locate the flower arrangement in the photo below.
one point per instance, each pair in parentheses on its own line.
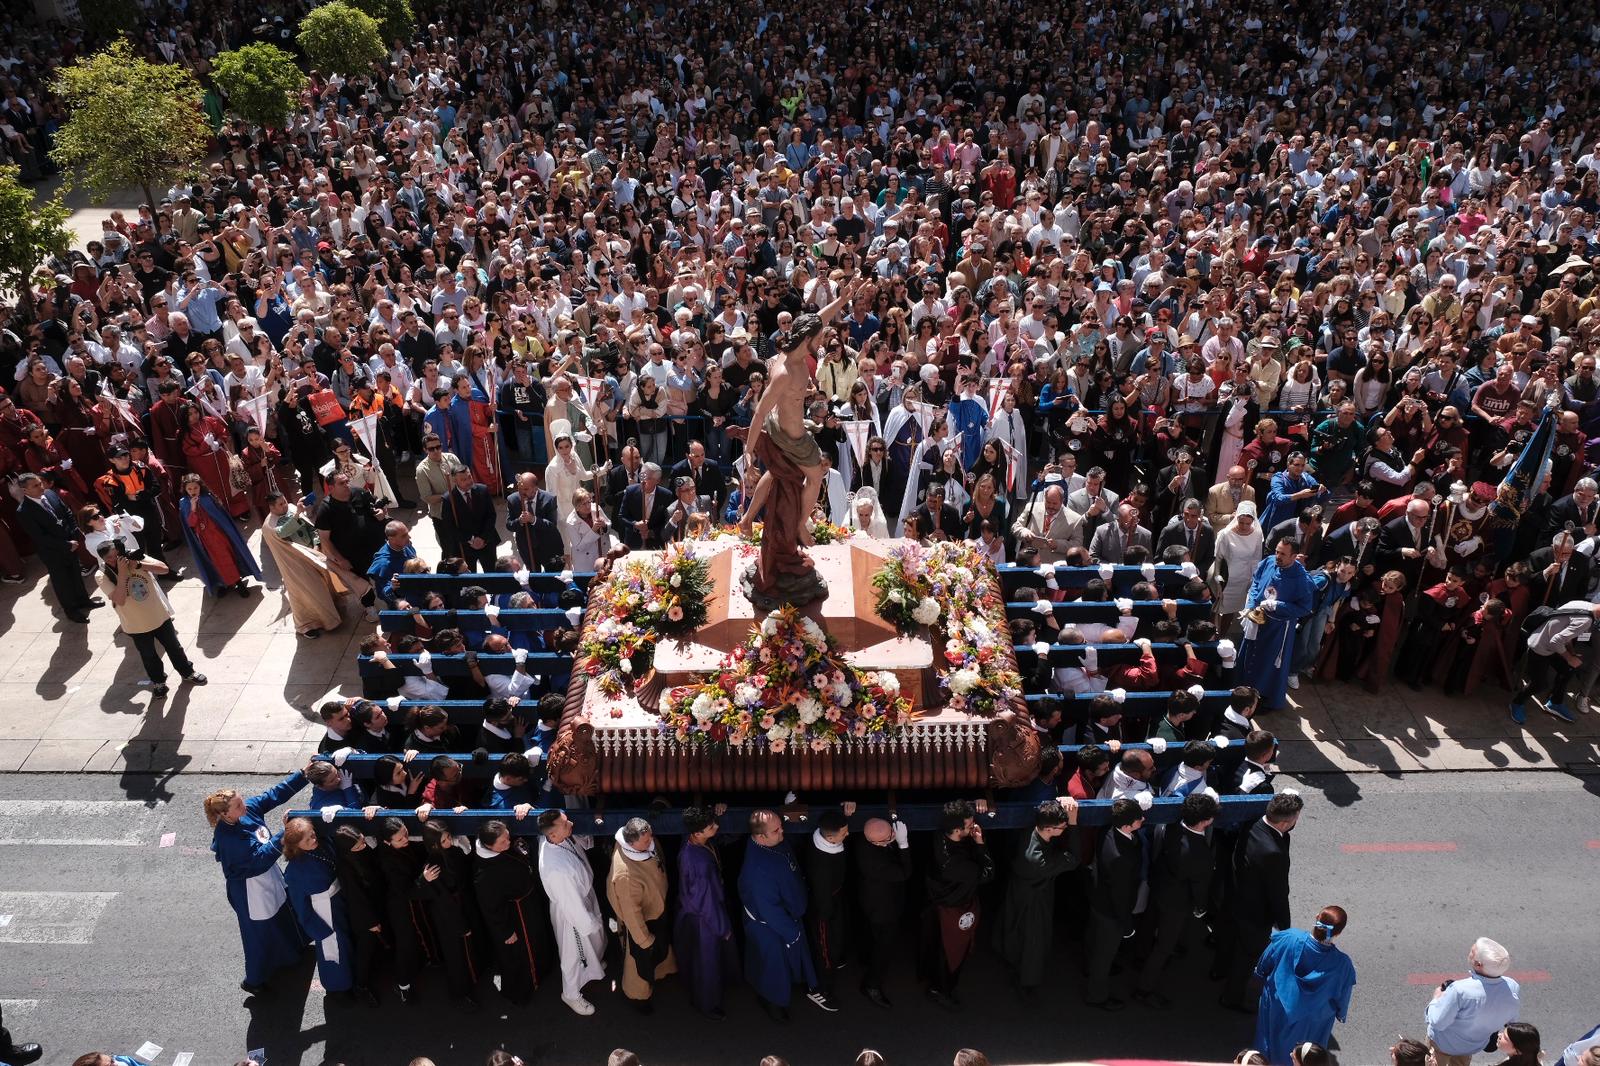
(822,532)
(642,602)
(943,587)
(786,687)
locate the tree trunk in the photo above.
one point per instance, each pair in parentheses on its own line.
(150,200)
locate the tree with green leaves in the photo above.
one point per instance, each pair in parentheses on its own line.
(395,17)
(260,82)
(130,123)
(30,232)
(341,39)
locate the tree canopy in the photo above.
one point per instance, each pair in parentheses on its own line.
(260,83)
(30,232)
(395,17)
(130,123)
(341,39)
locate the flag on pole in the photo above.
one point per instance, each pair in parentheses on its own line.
(857,431)
(255,409)
(926,412)
(367,429)
(997,393)
(1013,457)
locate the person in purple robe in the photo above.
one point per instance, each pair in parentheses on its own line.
(703,934)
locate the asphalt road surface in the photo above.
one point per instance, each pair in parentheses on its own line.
(115,933)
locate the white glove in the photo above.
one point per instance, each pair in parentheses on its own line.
(1142,643)
(394,703)
(521,574)
(1144,800)
(520,656)
(1197,691)
(902,834)
(534,755)
(1091,658)
(1219,741)
(66,464)
(1118,695)
(1158,745)
(1468,546)
(565,576)
(1050,581)
(89,431)
(1187,569)
(341,755)
(330,812)
(1041,648)
(425,662)
(1107,572)
(1047,570)
(1124,605)
(1373,619)
(1043,608)
(1148,571)
(491,611)
(575,616)
(1209,791)
(1226,650)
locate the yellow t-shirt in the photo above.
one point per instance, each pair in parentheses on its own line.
(146,609)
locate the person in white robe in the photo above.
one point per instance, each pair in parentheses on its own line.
(1008,428)
(580,932)
(1239,546)
(565,474)
(866,514)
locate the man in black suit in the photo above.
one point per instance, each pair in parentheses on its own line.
(1404,541)
(1190,530)
(1176,485)
(1305,527)
(1359,541)
(1118,872)
(1560,573)
(1579,511)
(642,515)
(883,868)
(937,516)
(1181,866)
(531,519)
(685,505)
(707,477)
(55,535)
(1252,775)
(469,512)
(1260,898)
(620,476)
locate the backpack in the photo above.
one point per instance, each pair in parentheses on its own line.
(1536,619)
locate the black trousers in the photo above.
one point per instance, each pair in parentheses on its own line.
(1243,950)
(1172,922)
(167,637)
(1105,940)
(1544,674)
(879,950)
(66,578)
(367,946)
(479,558)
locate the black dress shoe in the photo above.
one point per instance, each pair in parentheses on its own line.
(715,1014)
(775,1012)
(876,997)
(97,601)
(22,1054)
(195,679)
(943,1000)
(643,1006)
(366,996)
(258,991)
(406,994)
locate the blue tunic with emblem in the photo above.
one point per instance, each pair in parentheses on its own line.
(774,897)
(1307,987)
(249,852)
(1266,659)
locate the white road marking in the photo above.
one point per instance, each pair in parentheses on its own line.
(53,917)
(183,1058)
(103,823)
(20,1014)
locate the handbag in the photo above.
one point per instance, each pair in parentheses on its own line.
(325,407)
(238,476)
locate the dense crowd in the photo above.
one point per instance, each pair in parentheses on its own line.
(1282,296)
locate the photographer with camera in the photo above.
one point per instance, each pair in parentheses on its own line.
(145,613)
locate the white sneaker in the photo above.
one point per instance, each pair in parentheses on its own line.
(1294,680)
(580,1006)
(1583,704)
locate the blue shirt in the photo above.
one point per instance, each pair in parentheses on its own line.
(386,563)
(202,309)
(1470,1011)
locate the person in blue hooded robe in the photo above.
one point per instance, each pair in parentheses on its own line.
(1282,589)
(1307,985)
(968,418)
(776,955)
(248,852)
(219,552)
(451,419)
(311,878)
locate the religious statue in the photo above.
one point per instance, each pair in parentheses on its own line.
(792,469)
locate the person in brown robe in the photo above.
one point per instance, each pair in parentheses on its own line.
(268,472)
(636,887)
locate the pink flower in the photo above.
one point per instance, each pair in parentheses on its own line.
(860,729)
(834,714)
(819,745)
(768,721)
(675,614)
(777,746)
(957,703)
(616,712)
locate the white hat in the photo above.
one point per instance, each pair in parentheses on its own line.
(561,427)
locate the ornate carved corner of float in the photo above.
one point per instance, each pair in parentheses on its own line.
(1013,751)
(574,761)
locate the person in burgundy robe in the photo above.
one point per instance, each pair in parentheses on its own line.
(205,448)
(85,429)
(1391,611)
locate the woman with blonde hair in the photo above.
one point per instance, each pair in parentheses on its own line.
(311,878)
(249,852)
